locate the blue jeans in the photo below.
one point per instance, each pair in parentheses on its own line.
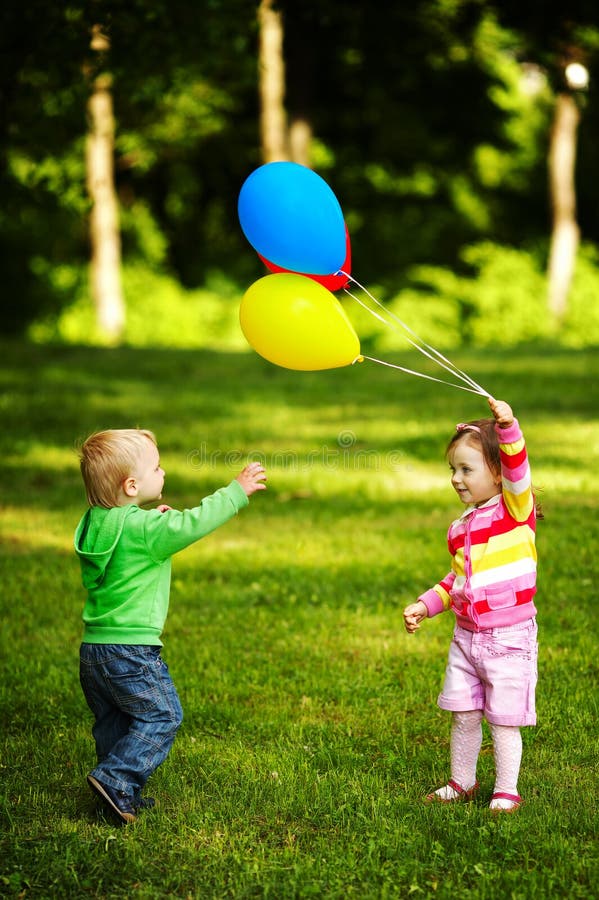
(137,711)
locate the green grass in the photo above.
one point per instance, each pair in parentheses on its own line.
(311,729)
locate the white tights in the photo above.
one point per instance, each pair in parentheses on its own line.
(507,750)
(466,740)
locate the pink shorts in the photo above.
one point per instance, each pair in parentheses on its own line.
(494,670)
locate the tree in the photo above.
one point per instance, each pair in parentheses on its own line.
(396,105)
(271,65)
(559,39)
(105,238)
(565,232)
(414,118)
(42,193)
(282,136)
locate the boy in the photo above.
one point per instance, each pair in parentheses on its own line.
(125,554)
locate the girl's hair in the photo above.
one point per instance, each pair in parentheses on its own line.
(107,458)
(482,432)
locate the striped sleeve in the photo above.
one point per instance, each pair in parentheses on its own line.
(437,599)
(515,472)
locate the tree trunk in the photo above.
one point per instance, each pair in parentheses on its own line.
(104,217)
(565,231)
(273,125)
(300,139)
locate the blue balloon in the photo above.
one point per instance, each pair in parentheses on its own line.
(291,217)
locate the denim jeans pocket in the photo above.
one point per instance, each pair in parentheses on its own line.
(131,678)
(134,692)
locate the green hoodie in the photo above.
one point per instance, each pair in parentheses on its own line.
(125,554)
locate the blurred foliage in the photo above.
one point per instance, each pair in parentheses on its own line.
(160,313)
(431,125)
(502,302)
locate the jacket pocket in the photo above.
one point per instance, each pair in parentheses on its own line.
(500,597)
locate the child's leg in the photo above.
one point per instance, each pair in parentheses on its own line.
(111,723)
(507,750)
(156,715)
(137,682)
(110,726)
(509,659)
(466,740)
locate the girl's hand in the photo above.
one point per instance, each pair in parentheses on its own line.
(413,616)
(164,507)
(502,412)
(252,478)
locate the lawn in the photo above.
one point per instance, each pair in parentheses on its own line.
(311,728)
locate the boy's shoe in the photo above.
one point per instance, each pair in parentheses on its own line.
(117,801)
(453,793)
(144,803)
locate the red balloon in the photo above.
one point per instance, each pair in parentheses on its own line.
(331,282)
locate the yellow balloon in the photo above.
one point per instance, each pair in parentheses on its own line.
(295,322)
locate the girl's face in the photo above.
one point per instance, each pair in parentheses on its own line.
(471,477)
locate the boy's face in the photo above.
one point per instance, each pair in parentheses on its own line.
(148,476)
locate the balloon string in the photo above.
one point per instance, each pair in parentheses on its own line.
(450,367)
(460,387)
(473,389)
(419,344)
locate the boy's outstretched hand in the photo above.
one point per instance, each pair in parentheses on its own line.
(502,412)
(252,478)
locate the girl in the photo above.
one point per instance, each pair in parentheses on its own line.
(492,665)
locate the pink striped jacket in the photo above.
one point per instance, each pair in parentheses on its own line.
(492,581)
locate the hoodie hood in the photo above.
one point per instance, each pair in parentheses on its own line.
(96,537)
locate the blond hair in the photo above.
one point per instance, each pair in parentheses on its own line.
(107,458)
